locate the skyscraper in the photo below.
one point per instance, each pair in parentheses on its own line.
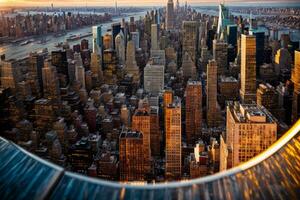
(79,69)
(50,81)
(116,28)
(120,47)
(250,130)
(141,123)
(154,36)
(173,139)
(248,68)
(296,93)
(154,78)
(131,156)
(170,15)
(193,111)
(220,56)
(188,67)
(9,74)
(190,39)
(224,20)
(131,65)
(97,39)
(212,109)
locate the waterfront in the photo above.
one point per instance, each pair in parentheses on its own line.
(15,51)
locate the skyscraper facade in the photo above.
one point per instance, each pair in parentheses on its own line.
(248,68)
(97,39)
(193,111)
(296,93)
(173,140)
(211,104)
(250,130)
(131,156)
(190,39)
(154,78)
(170,20)
(154,36)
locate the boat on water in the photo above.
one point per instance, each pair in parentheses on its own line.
(26,42)
(60,34)
(78,37)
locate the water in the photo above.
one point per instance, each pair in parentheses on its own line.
(15,51)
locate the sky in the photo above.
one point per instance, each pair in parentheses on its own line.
(58,3)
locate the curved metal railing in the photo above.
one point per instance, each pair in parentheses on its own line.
(274,174)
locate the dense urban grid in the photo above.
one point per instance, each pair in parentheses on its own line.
(175,95)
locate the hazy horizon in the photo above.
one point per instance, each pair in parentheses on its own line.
(143,3)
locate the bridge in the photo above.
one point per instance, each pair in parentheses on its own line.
(274,174)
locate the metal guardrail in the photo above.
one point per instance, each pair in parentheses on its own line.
(274,174)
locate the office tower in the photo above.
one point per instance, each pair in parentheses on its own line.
(296,93)
(44,115)
(224,19)
(131,66)
(108,166)
(50,81)
(131,151)
(267,97)
(248,68)
(190,39)
(251,129)
(188,67)
(283,61)
(193,111)
(229,90)
(158,57)
(167,97)
(223,155)
(154,78)
(79,70)
(35,65)
(155,133)
(9,75)
(260,47)
(90,115)
(132,25)
(211,102)
(120,47)
(220,56)
(116,28)
(97,39)
(80,155)
(141,123)
(96,67)
(135,37)
(84,44)
(154,36)
(59,60)
(107,41)
(60,127)
(232,34)
(173,140)
(170,18)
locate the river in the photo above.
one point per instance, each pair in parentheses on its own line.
(15,51)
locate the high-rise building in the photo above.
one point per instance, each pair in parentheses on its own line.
(155,134)
(141,123)
(35,65)
(224,19)
(97,39)
(135,37)
(248,68)
(193,111)
(154,78)
(260,47)
(250,129)
(170,18)
(131,65)
(116,28)
(188,67)
(220,55)
(50,81)
(79,69)
(211,101)
(96,67)
(60,62)
(154,36)
(232,34)
(173,139)
(131,156)
(9,75)
(120,47)
(167,97)
(190,39)
(296,93)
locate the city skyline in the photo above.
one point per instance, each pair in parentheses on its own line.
(147,3)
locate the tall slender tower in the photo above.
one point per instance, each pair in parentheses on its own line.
(248,68)
(193,111)
(212,111)
(173,139)
(296,94)
(170,15)
(141,123)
